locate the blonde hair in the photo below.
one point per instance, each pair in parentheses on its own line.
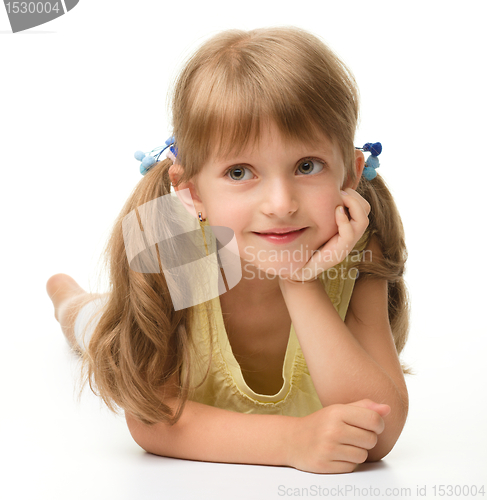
(226,92)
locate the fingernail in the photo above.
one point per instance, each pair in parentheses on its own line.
(342,210)
(344,193)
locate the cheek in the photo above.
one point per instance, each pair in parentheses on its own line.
(323,207)
(324,216)
(226,213)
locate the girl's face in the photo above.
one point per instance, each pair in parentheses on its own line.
(274,186)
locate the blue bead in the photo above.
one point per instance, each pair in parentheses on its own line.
(174,150)
(169,141)
(369,173)
(375,149)
(148,161)
(372,161)
(139,155)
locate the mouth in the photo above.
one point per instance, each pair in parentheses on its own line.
(281,232)
(286,237)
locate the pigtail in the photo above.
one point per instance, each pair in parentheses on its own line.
(140,344)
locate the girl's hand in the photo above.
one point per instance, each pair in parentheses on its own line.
(336,438)
(339,246)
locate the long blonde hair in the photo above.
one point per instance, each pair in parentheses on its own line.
(227,90)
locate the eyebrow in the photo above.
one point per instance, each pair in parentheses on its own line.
(243,158)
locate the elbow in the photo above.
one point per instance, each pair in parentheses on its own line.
(380,451)
(134,427)
(139,432)
(393,430)
(159,438)
(152,438)
(377,455)
(405,402)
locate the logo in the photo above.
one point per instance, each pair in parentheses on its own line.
(25,15)
(165,236)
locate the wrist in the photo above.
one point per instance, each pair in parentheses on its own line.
(286,284)
(290,440)
(304,275)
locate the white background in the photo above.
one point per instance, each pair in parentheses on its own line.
(80,94)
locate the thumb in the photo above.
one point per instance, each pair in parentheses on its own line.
(382,409)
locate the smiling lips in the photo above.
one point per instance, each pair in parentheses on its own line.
(281,230)
(285,235)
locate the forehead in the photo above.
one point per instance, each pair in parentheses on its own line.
(269,137)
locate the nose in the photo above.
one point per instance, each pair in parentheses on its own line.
(280,198)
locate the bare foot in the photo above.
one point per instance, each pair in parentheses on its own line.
(67,297)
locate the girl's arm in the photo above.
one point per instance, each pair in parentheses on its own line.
(212,434)
(352,360)
(331,440)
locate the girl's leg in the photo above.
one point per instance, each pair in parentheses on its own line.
(69,299)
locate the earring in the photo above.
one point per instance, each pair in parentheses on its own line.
(200,217)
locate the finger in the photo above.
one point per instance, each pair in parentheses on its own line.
(353,198)
(345,228)
(364,419)
(363,202)
(356,436)
(359,218)
(353,454)
(341,467)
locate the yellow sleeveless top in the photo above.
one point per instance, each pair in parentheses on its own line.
(225,387)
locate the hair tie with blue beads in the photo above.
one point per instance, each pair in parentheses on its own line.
(372,162)
(148,159)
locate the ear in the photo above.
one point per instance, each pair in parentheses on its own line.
(359,165)
(190,199)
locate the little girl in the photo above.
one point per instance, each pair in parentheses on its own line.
(295,364)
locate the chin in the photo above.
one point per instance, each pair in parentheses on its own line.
(276,269)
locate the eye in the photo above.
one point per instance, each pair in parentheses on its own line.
(309,165)
(239,173)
